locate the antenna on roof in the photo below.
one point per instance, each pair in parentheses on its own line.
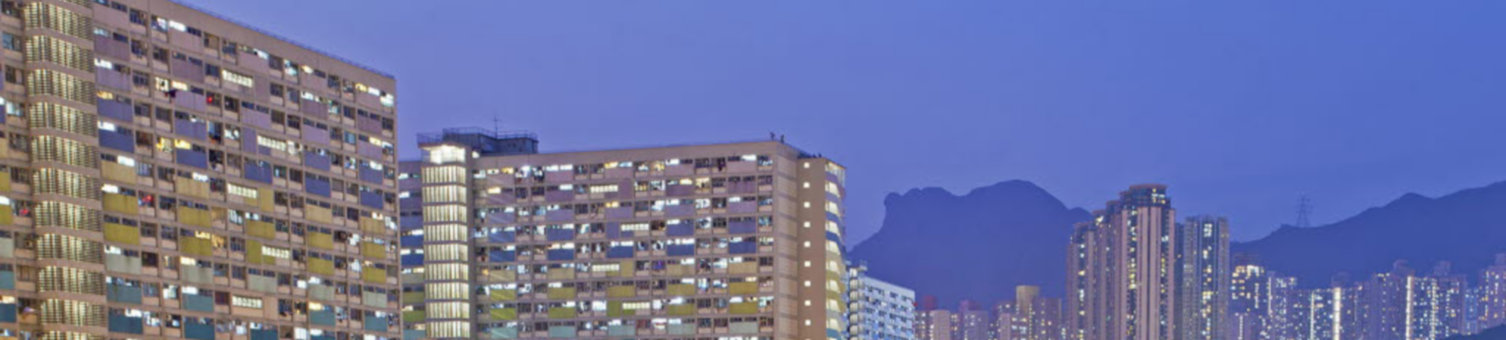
(496,125)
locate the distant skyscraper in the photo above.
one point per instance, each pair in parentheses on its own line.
(1287,309)
(1474,310)
(933,324)
(972,322)
(1086,304)
(1450,302)
(1388,305)
(1203,275)
(1395,305)
(1249,302)
(1424,318)
(1007,326)
(1127,286)
(1032,316)
(1333,314)
(1492,294)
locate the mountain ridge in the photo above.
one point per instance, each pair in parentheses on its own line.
(932,240)
(1458,227)
(1012,219)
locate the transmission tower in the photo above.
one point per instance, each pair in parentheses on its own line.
(1304,211)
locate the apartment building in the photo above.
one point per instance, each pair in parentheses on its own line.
(169,173)
(1287,308)
(1084,309)
(935,324)
(1402,305)
(699,241)
(1491,294)
(1203,275)
(1122,267)
(1007,325)
(1030,316)
(881,310)
(972,321)
(1451,303)
(1334,313)
(1249,302)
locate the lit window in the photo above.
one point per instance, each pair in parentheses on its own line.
(446,153)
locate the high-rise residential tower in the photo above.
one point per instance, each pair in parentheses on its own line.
(1203,276)
(934,324)
(1249,302)
(1085,306)
(716,240)
(1333,313)
(1388,303)
(1032,316)
(1006,324)
(1123,268)
(1492,294)
(169,173)
(972,322)
(1450,302)
(1287,309)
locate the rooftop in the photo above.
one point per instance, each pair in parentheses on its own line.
(279,37)
(487,142)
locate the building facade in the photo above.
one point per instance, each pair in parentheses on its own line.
(1398,304)
(885,311)
(1334,314)
(411,254)
(1031,316)
(1287,317)
(1086,305)
(719,240)
(1203,275)
(1450,302)
(172,174)
(411,218)
(972,322)
(934,324)
(1491,294)
(1006,324)
(1249,302)
(1387,300)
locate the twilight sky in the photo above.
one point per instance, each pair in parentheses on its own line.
(1240,106)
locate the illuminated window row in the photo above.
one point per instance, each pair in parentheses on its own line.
(45,115)
(57,51)
(62,214)
(64,150)
(64,247)
(230,48)
(67,183)
(61,85)
(44,15)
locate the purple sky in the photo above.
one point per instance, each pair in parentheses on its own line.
(1240,106)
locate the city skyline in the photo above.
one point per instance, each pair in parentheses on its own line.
(171,172)
(1282,103)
